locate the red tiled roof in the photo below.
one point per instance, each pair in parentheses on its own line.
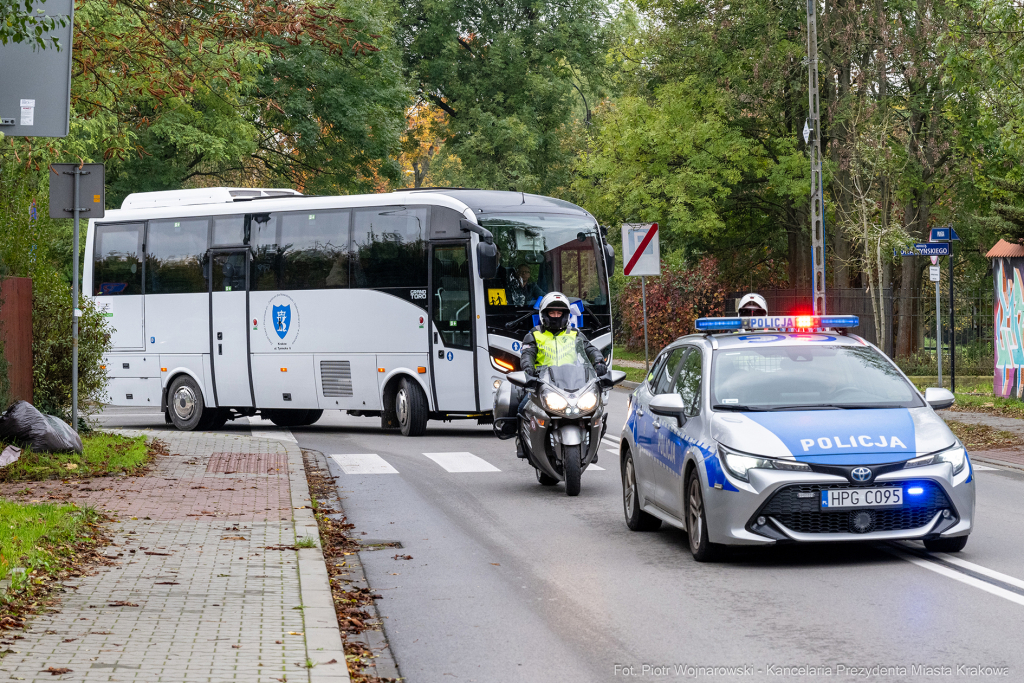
(1004,249)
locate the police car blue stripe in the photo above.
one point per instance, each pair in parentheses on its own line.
(843,437)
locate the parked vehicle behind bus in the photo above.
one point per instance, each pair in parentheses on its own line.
(226,302)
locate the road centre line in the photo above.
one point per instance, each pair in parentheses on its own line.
(462,462)
(937,564)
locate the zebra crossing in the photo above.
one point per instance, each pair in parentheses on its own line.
(456,462)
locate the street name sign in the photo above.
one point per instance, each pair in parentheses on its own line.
(641,250)
(932,248)
(947,234)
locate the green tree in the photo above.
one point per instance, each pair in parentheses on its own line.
(512,77)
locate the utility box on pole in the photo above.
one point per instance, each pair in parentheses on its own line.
(35,83)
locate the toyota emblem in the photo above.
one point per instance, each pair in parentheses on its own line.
(860,474)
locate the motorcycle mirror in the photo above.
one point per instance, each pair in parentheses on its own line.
(613,377)
(519,379)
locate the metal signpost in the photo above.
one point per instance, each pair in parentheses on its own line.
(948,236)
(641,256)
(934,274)
(69,184)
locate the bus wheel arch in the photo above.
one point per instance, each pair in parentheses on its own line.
(405,405)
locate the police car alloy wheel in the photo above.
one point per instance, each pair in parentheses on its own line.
(697,523)
(636,519)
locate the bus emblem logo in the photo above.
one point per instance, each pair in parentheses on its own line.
(282,319)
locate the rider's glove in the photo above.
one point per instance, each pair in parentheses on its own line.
(601,368)
(530,371)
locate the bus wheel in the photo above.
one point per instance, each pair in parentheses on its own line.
(288,417)
(411,408)
(311,417)
(186,403)
(214,418)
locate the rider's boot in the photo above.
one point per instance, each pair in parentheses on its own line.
(520,452)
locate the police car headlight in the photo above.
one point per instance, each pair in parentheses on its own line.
(955,456)
(555,401)
(739,464)
(587,401)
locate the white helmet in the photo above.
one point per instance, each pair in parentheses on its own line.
(554,300)
(752,304)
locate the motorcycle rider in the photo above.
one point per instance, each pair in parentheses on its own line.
(554,343)
(752,305)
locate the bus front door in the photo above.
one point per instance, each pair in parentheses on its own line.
(229,336)
(451,312)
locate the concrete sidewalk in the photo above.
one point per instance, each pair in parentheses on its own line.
(1007,457)
(208,585)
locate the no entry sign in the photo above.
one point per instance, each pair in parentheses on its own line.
(641,251)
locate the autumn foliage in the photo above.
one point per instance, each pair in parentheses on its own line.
(675,300)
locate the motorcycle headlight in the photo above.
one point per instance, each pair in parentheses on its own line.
(555,401)
(739,464)
(955,456)
(587,401)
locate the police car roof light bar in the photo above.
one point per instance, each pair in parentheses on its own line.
(778,322)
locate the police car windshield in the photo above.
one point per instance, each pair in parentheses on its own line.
(774,377)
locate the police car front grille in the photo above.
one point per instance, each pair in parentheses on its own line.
(336,378)
(803,514)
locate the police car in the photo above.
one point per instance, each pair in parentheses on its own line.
(766,430)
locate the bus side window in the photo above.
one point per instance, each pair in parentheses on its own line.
(301,250)
(390,247)
(117,259)
(176,255)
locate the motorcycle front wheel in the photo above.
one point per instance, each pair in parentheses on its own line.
(572,456)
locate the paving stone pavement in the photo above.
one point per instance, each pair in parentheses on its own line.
(195,594)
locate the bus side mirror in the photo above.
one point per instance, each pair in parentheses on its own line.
(609,259)
(487,260)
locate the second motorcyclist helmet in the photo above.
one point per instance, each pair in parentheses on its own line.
(752,305)
(554,312)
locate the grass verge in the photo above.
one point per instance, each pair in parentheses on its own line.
(984,437)
(103,455)
(47,544)
(632,374)
(974,395)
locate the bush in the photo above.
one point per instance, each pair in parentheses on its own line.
(675,300)
(51,347)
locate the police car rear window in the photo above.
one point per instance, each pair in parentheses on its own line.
(805,376)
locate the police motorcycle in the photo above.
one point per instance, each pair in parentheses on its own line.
(562,422)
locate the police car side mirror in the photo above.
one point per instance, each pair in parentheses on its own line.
(938,398)
(669,405)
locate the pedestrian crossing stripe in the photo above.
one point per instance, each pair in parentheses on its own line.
(592,466)
(363,463)
(462,462)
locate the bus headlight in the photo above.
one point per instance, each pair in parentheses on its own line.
(587,401)
(555,401)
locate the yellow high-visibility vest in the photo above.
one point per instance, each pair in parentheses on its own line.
(555,349)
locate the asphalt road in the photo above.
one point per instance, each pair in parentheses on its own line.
(512,581)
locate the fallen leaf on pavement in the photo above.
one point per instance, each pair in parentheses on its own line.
(233,538)
(166,583)
(121,603)
(296,633)
(150,552)
(55,671)
(496,564)
(68,640)
(402,557)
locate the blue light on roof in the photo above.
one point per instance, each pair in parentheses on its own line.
(915,490)
(719,324)
(840,321)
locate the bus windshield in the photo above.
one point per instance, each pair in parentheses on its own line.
(541,253)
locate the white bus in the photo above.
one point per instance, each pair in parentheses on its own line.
(227,302)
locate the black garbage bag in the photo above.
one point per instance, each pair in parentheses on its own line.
(44,433)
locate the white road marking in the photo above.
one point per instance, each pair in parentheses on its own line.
(978,569)
(957,576)
(610,441)
(363,463)
(592,466)
(462,462)
(983,468)
(270,430)
(608,450)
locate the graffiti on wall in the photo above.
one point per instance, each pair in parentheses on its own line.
(1009,327)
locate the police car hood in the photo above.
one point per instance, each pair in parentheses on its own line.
(847,437)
